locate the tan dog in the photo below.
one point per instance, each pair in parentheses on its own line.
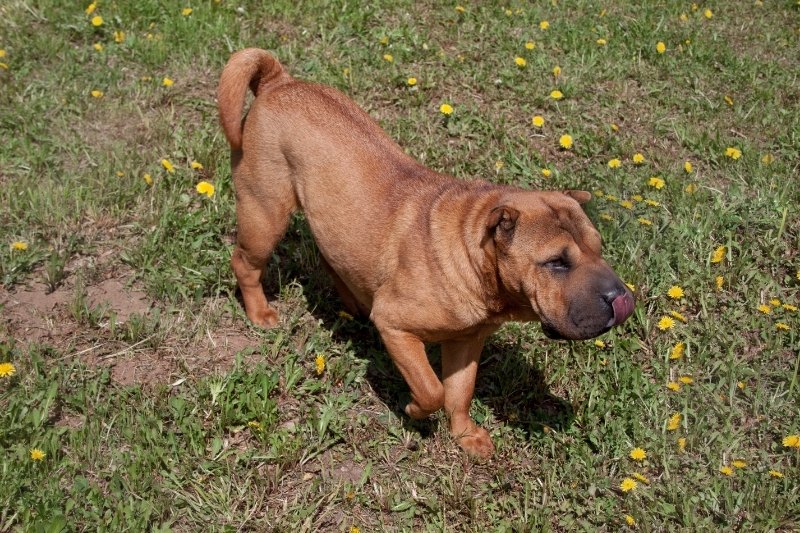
(427,257)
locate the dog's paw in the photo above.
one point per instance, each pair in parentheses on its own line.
(477,443)
(265,318)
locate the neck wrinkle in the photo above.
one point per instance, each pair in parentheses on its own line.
(467,247)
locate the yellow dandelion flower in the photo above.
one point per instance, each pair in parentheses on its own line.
(90,8)
(695,7)
(537,121)
(206,188)
(499,164)
(614,127)
(37,454)
(789,307)
(97,20)
(675,292)
(684,17)
(543,25)
(677,315)
(119,36)
(776,474)
(97,94)
(627,204)
(764,308)
(384,40)
(631,286)
(733,153)
(520,62)
(728,100)
(674,386)
(446,109)
(638,158)
(726,470)
(791,441)
(656,182)
(319,363)
(354,529)
(148,179)
(565,141)
(186,11)
(630,520)
(601,42)
(600,344)
(638,454)
(691,188)
(665,323)
(652,203)
(611,198)
(19,246)
(606,216)
(688,167)
(661,47)
(637,197)
(639,477)
(197,165)
(345,315)
(682,444)
(719,281)
(411,81)
(556,94)
(719,254)
(645,221)
(388,57)
(7,370)
(254,424)
(741,385)
(168,166)
(628,484)
(782,326)
(674,422)
(738,463)
(546,172)
(677,351)
(708,13)
(530,46)
(614,163)
(556,71)
(767,159)
(167,82)
(98,46)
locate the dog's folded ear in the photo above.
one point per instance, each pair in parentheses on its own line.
(579,196)
(502,217)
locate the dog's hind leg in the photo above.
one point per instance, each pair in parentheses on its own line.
(264,206)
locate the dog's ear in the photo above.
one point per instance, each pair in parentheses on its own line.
(579,196)
(502,218)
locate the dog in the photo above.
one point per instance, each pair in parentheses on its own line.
(427,257)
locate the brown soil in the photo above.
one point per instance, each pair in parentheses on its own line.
(183,346)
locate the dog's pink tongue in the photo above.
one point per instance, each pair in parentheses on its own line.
(623,307)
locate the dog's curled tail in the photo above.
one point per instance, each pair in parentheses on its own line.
(251,67)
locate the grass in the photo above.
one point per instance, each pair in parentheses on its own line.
(176,415)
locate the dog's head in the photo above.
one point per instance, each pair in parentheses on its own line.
(547,254)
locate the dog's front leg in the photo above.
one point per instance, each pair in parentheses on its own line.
(459,370)
(408,353)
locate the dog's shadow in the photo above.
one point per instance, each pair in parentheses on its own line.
(512,387)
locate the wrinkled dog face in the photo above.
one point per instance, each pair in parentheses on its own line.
(558,262)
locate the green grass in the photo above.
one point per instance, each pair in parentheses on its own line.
(153,422)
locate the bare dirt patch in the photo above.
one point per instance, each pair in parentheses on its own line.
(181,344)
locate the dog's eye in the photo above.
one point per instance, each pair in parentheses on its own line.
(558,264)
